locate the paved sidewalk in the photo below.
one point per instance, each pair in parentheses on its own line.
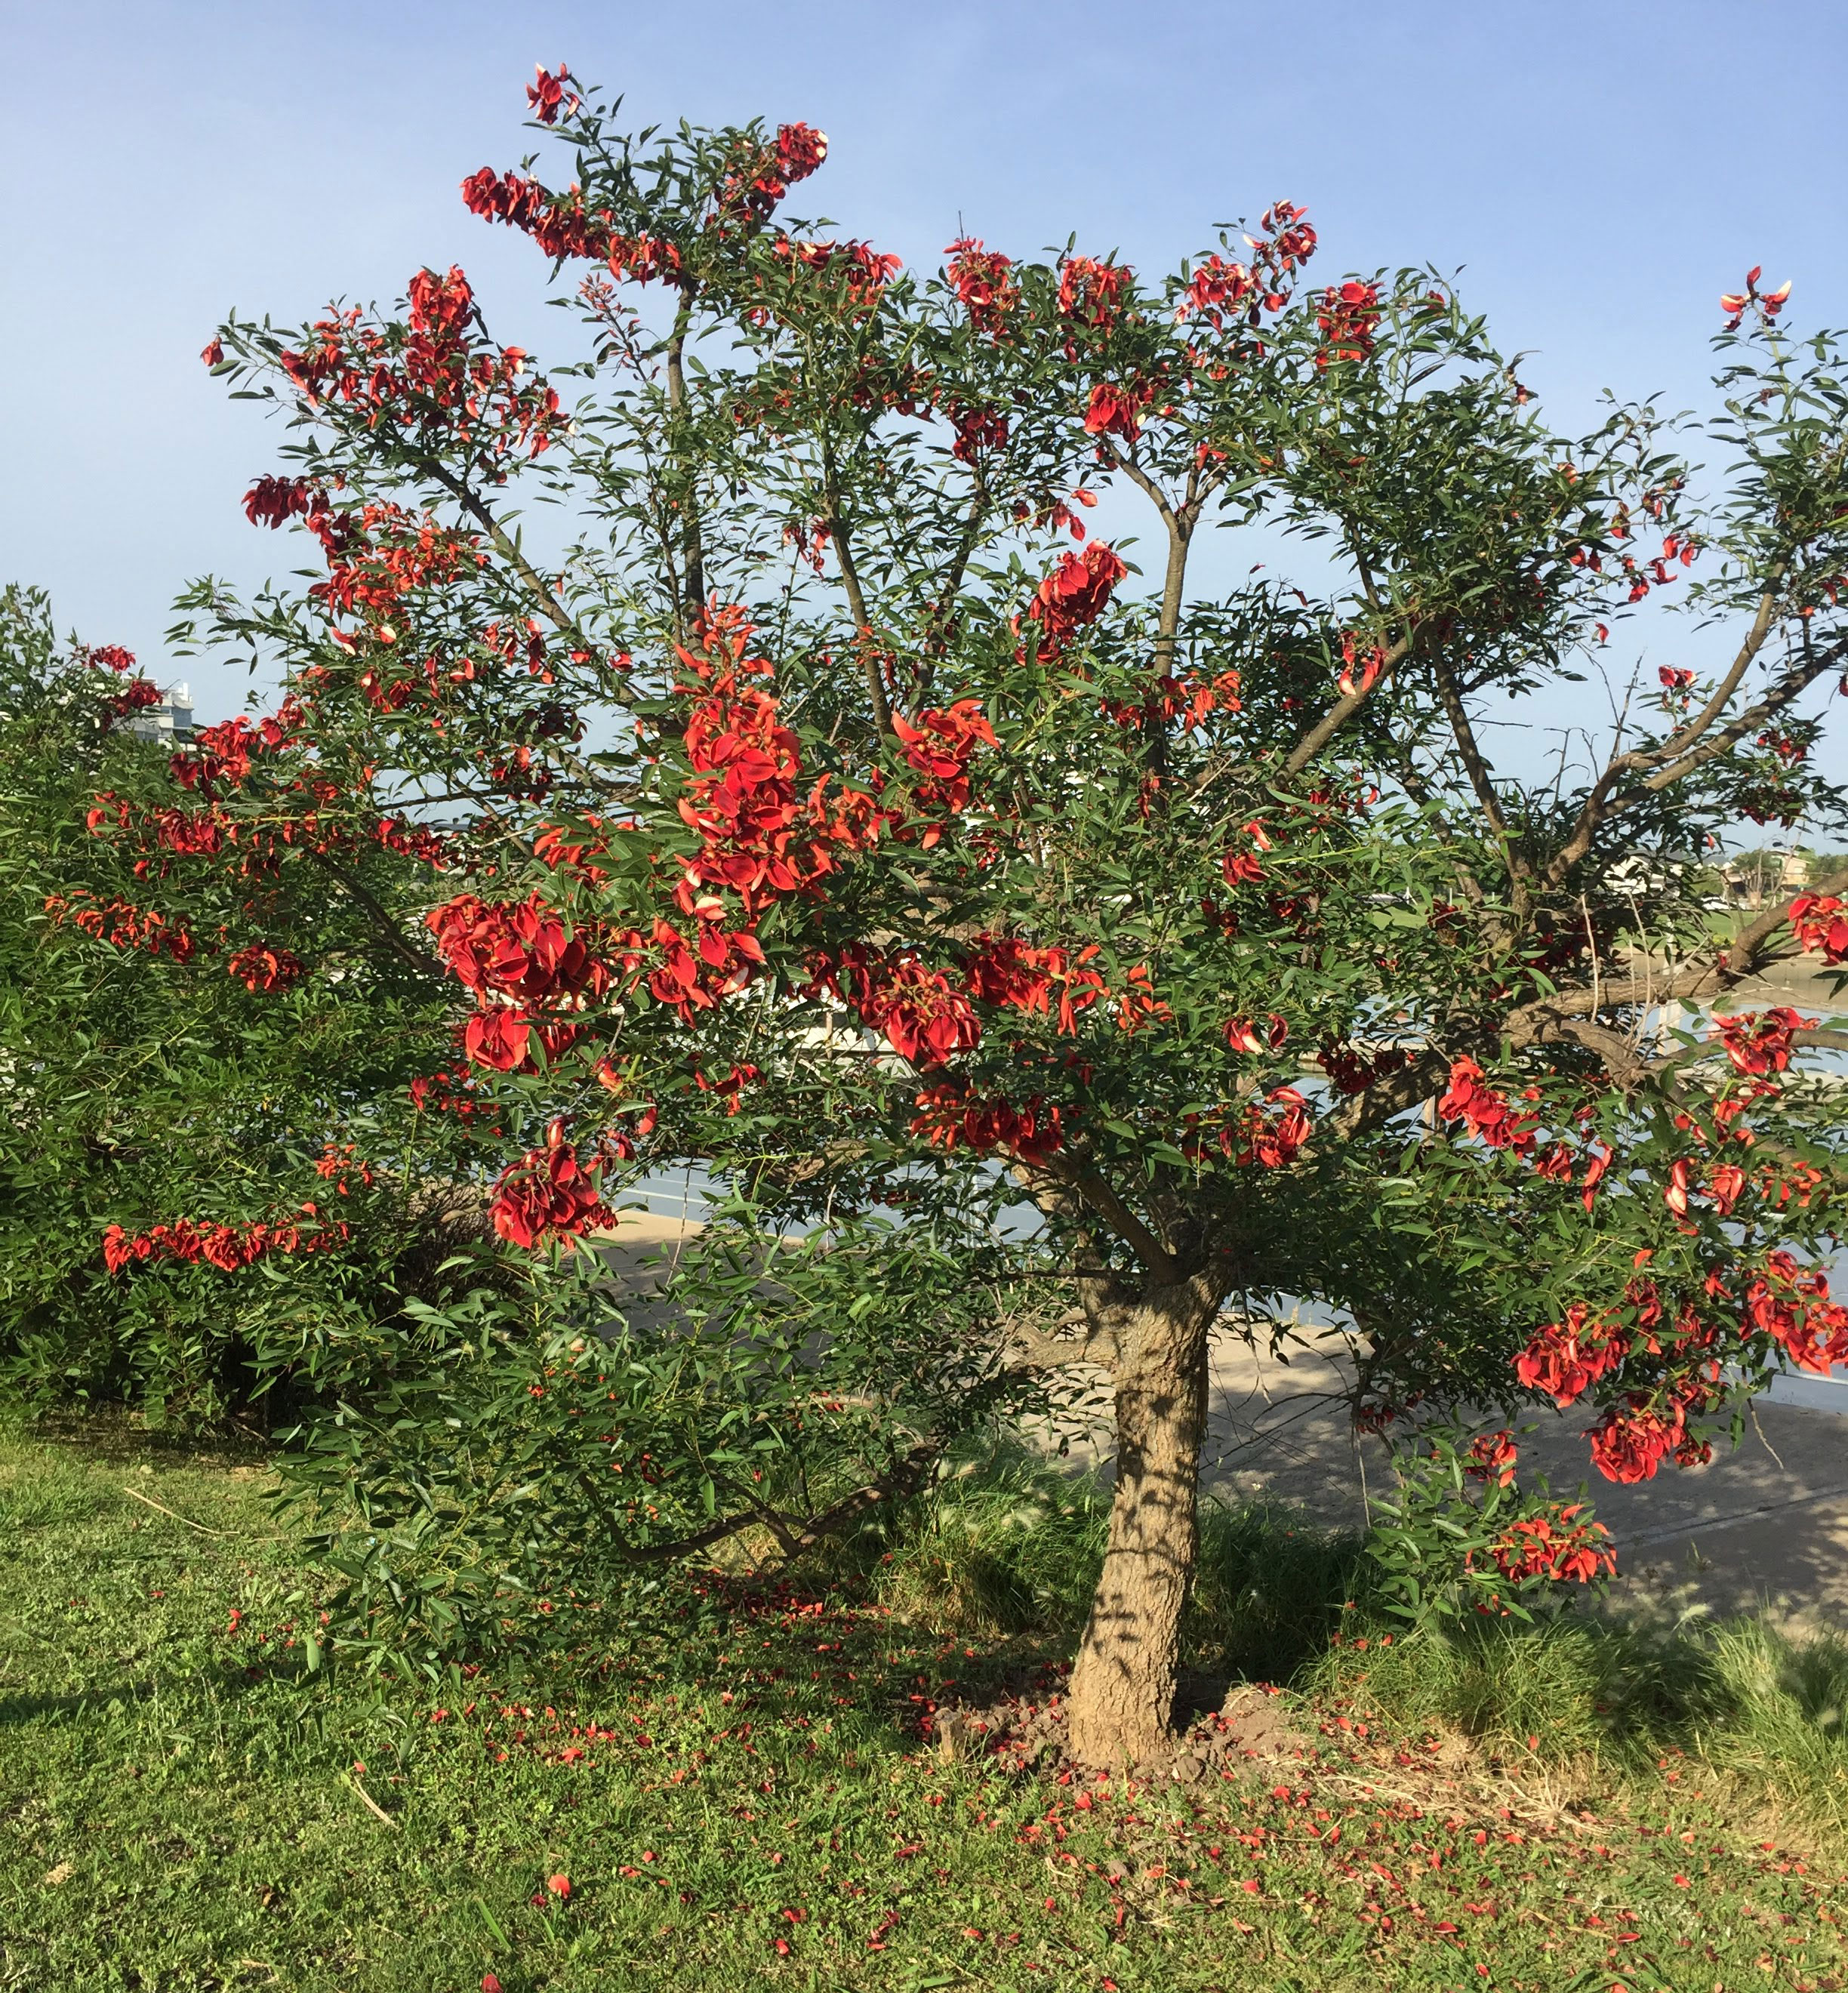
(1766,1526)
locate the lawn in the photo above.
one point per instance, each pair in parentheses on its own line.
(743,1791)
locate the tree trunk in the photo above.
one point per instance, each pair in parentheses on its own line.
(1120,1707)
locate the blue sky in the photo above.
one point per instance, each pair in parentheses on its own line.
(1599,172)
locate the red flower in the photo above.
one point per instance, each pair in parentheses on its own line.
(1792,1307)
(1820,923)
(1769,303)
(1090,292)
(1563,1358)
(1758,1041)
(271,501)
(979,277)
(953,1117)
(558,1886)
(499,1038)
(1244,1036)
(265,969)
(977,430)
(924,1018)
(1004,971)
(1629,1444)
(212,353)
(521,950)
(940,748)
(800,150)
(1486,1112)
(1214,287)
(546,1194)
(1076,593)
(1117,410)
(1372,661)
(1347,314)
(547,96)
(1556,1547)
(1492,1458)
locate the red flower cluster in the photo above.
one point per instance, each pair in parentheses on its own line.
(1555,1546)
(272,501)
(257,967)
(1792,1305)
(954,1117)
(521,953)
(560,223)
(123,925)
(1487,1113)
(759,840)
(109,657)
(548,96)
(451,1093)
(859,269)
(547,1194)
(336,1165)
(375,560)
(1492,1458)
(223,753)
(1241,1035)
(521,962)
(1347,316)
(1092,292)
(977,430)
(441,379)
(924,1016)
(1820,922)
(1634,1439)
(940,747)
(1352,1072)
(981,280)
(136,696)
(800,151)
(1270,1140)
(1565,1359)
(231,1248)
(1001,970)
(761,179)
(1216,287)
(1076,593)
(1758,1041)
(1117,411)
(1769,303)
(1186,696)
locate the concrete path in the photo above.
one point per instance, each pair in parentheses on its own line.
(1765,1526)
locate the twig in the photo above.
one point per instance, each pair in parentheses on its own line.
(174,1512)
(370,1804)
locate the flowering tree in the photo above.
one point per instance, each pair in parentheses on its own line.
(186,1086)
(1062,948)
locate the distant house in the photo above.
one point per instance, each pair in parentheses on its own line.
(171,719)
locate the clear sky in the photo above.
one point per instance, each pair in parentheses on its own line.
(1599,172)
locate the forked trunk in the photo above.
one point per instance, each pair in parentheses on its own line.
(1120,1707)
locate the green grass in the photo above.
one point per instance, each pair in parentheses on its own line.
(745,1802)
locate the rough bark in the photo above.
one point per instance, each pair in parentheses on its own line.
(1120,1708)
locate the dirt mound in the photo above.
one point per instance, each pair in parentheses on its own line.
(1254,1731)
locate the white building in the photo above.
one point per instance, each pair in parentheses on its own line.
(171,720)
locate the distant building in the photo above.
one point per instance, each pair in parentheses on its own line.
(170,720)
